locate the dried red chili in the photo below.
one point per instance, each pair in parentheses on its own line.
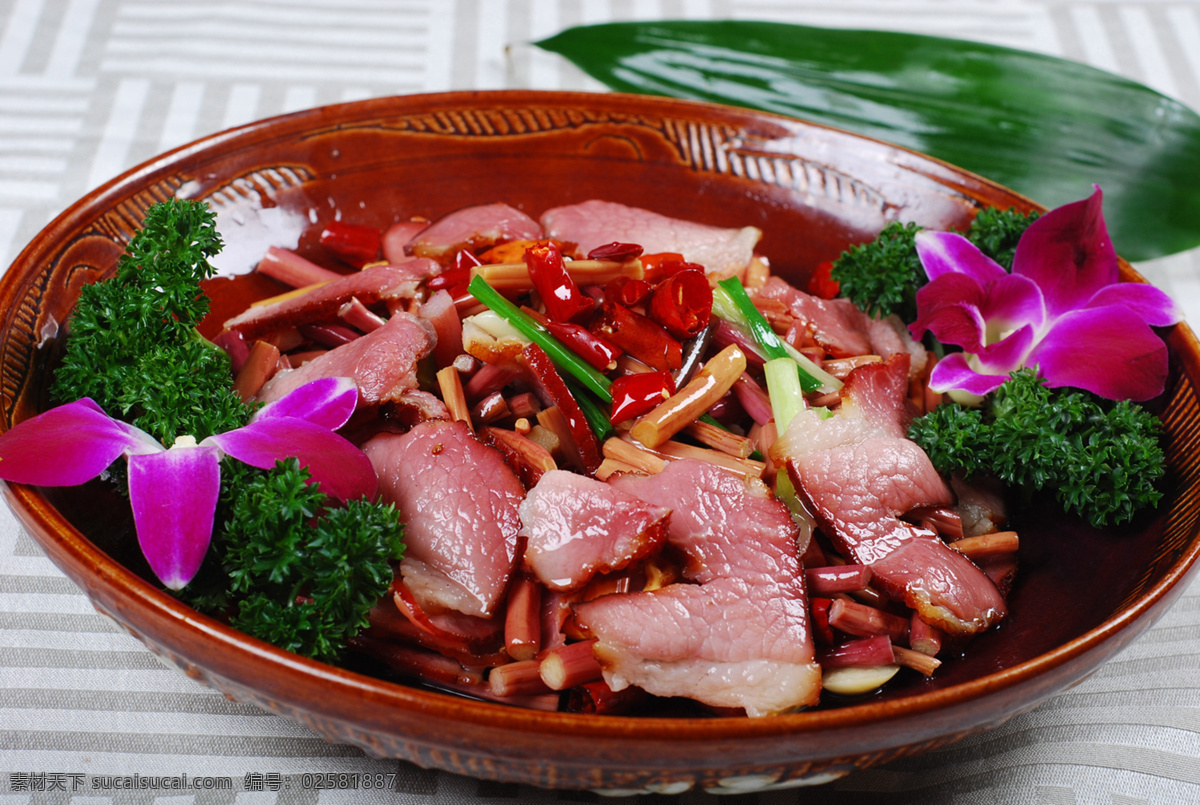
(657,267)
(637,394)
(587,446)
(450,278)
(560,294)
(638,336)
(355,243)
(597,351)
(682,303)
(821,282)
(466,260)
(628,291)
(615,251)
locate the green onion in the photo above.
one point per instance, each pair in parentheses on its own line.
(828,382)
(771,343)
(562,356)
(786,492)
(784,389)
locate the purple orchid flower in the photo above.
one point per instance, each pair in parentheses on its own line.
(1062,309)
(173,491)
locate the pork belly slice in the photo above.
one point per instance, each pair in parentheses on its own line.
(858,475)
(460,505)
(738,634)
(473,228)
(372,284)
(383,363)
(724,252)
(726,643)
(577,527)
(842,330)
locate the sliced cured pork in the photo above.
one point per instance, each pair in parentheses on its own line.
(843,330)
(473,228)
(383,363)
(460,505)
(373,284)
(859,474)
(724,252)
(577,527)
(738,634)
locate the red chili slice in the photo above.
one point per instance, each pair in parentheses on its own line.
(354,243)
(465,260)
(616,252)
(639,336)
(682,303)
(583,342)
(628,291)
(821,283)
(560,294)
(450,278)
(556,392)
(657,267)
(637,394)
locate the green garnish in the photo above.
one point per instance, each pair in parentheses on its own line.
(132,343)
(307,576)
(883,276)
(995,232)
(562,356)
(1101,459)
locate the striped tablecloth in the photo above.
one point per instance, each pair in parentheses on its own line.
(89,88)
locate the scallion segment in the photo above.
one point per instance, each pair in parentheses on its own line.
(563,357)
(784,387)
(748,316)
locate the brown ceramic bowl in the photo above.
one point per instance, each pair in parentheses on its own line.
(1082,595)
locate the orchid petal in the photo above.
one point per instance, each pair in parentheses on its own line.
(1109,351)
(944,253)
(949,308)
(328,401)
(1007,355)
(342,470)
(1013,301)
(1152,304)
(174,497)
(954,372)
(960,325)
(1068,253)
(68,445)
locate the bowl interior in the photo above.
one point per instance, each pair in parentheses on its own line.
(811,190)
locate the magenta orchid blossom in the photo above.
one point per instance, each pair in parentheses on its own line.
(1063,309)
(173,491)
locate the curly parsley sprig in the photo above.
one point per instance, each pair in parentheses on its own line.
(883,276)
(307,576)
(132,344)
(1102,460)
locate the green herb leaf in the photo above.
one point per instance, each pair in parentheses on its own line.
(1046,127)
(882,277)
(1102,460)
(306,576)
(132,344)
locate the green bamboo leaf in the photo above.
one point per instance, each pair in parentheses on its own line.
(1046,127)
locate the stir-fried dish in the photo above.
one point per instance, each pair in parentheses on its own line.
(604,457)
